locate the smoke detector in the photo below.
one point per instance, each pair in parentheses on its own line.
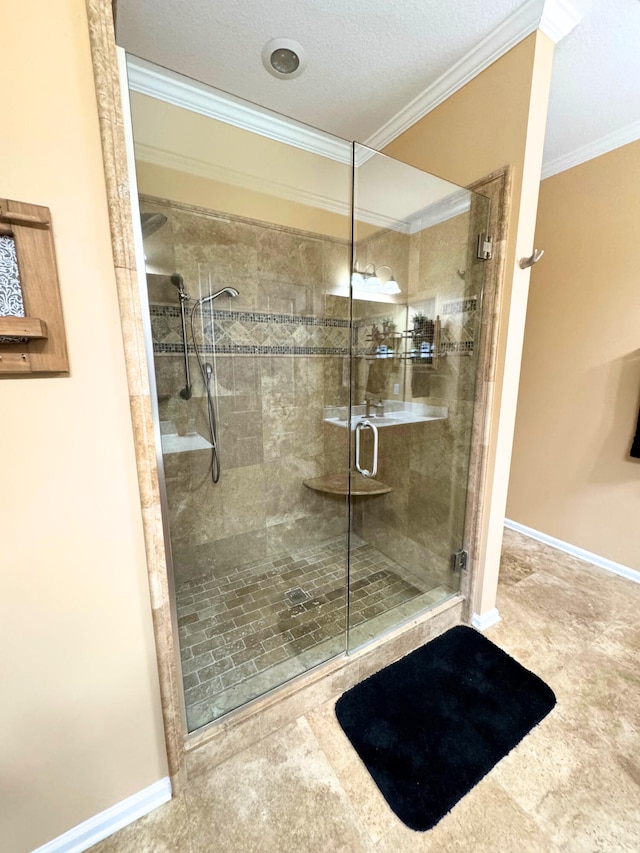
(284,58)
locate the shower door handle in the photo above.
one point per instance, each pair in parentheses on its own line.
(365,424)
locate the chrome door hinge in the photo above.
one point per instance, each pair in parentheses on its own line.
(485,247)
(459,561)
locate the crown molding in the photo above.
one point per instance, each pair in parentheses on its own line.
(203,169)
(226,175)
(557,15)
(452,205)
(446,208)
(149,79)
(554,17)
(558,18)
(623,136)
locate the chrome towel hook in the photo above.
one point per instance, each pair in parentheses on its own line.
(529,262)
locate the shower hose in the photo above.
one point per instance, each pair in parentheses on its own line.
(206,372)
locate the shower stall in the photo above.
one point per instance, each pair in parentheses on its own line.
(314,325)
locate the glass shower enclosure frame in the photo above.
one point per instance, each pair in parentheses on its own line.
(413,378)
(313,353)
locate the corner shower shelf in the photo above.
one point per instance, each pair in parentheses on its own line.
(172,443)
(337,484)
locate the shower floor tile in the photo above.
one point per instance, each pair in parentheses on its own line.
(263,623)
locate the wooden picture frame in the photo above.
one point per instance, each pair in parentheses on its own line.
(40,343)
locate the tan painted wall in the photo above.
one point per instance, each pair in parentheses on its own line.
(208,194)
(571,474)
(80,722)
(195,159)
(498,118)
(473,131)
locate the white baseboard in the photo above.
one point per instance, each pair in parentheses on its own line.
(485,620)
(580,553)
(105,823)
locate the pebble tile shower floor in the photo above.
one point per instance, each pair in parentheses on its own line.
(265,622)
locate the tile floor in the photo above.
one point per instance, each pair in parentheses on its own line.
(572,785)
(245,632)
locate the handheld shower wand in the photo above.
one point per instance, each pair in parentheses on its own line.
(205,368)
(207,374)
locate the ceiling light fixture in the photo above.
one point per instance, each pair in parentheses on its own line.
(368,279)
(284,58)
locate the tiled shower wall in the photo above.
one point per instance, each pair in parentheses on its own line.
(280,357)
(421,521)
(280,351)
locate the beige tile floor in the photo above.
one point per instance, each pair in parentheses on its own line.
(240,636)
(573,784)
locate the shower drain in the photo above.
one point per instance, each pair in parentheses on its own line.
(296,595)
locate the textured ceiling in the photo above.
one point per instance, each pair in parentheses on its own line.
(367,59)
(595,87)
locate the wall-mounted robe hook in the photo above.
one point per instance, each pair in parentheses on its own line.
(529,262)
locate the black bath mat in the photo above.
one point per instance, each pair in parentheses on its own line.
(431,725)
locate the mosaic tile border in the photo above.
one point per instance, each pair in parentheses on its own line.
(456,346)
(246,333)
(249,349)
(230,325)
(460,306)
(255,317)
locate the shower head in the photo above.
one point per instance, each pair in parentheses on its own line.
(226,291)
(177,281)
(151,222)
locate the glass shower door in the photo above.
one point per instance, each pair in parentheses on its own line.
(417,294)
(314,362)
(250,239)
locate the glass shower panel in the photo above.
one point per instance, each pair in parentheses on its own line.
(417,293)
(249,238)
